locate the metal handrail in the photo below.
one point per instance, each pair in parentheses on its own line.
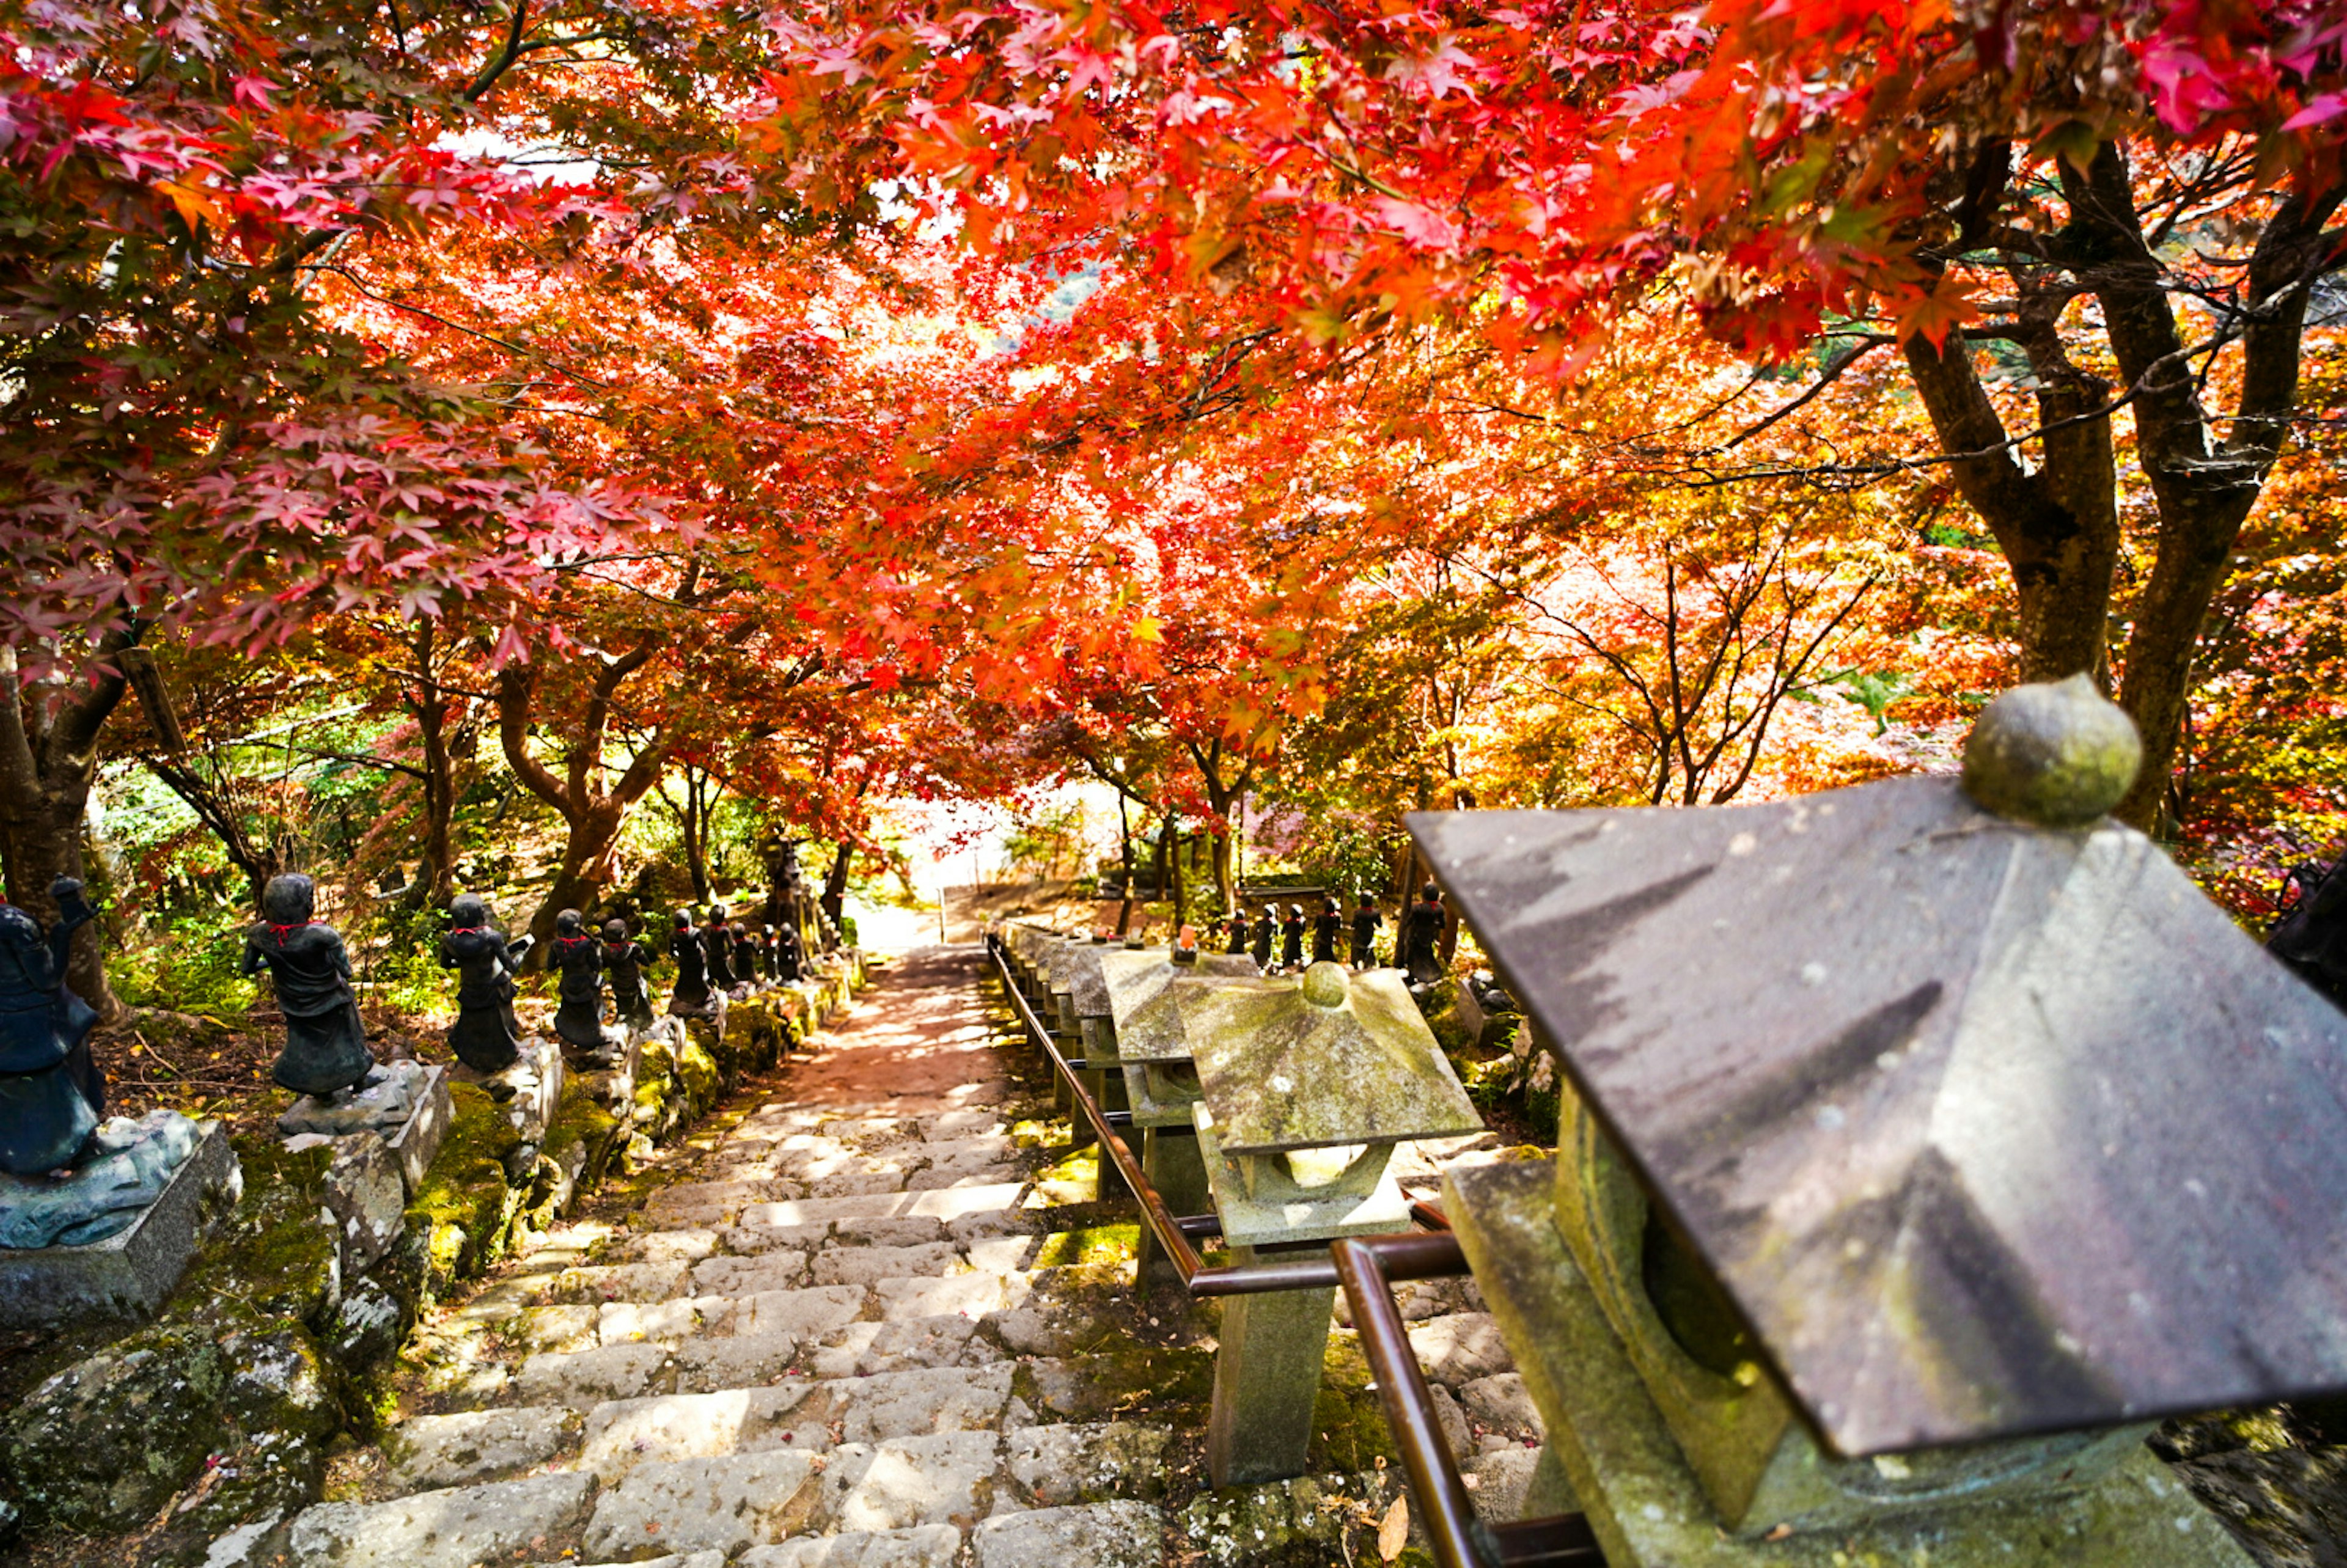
(1173,1232)
(1368,1266)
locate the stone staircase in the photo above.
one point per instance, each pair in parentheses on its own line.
(900,1333)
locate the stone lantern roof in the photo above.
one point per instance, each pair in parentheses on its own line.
(1144,993)
(1322,1060)
(1986,1126)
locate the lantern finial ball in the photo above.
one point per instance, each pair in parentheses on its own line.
(1327,985)
(2058,753)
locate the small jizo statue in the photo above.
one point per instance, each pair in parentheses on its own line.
(692,993)
(745,955)
(485,1036)
(1236,927)
(1327,927)
(790,954)
(51,1091)
(1366,921)
(1421,937)
(770,954)
(717,950)
(1291,939)
(1266,927)
(624,958)
(578,1011)
(325,1044)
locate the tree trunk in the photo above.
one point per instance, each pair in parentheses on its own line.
(584,873)
(1218,848)
(592,815)
(1176,895)
(436,880)
(2058,527)
(48,759)
(695,819)
(834,884)
(1124,853)
(1157,873)
(437,876)
(2058,524)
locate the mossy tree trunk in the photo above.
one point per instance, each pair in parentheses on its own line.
(48,760)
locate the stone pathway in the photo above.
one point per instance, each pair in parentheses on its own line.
(874,1320)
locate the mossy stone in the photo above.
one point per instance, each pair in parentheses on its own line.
(2056,754)
(102,1446)
(466,1202)
(699,1075)
(582,1138)
(272,1258)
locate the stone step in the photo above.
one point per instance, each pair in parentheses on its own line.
(815,1161)
(1120,1534)
(797,1413)
(947,1204)
(773,1202)
(455,1527)
(579,1380)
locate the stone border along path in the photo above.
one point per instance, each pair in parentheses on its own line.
(870,1323)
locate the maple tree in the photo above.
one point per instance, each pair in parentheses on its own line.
(194,447)
(1866,172)
(1433,407)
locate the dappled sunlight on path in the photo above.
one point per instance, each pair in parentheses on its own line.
(921,1034)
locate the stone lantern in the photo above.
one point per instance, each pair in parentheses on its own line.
(1145,1035)
(1304,1084)
(1923,1145)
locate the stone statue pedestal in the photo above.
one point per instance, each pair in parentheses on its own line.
(1160,1104)
(384,1138)
(128,1274)
(1271,1346)
(409,1109)
(536,1080)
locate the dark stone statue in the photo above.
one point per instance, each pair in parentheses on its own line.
(790,955)
(325,1044)
(1237,927)
(770,955)
(624,958)
(717,950)
(485,1036)
(1291,939)
(1421,937)
(579,1010)
(1266,927)
(692,993)
(2311,937)
(1366,921)
(51,1093)
(1327,927)
(745,955)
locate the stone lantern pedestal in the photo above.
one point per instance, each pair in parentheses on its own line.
(1304,1087)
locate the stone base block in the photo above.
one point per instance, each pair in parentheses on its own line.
(367,1193)
(386,1104)
(1146,1092)
(536,1080)
(128,1275)
(415,1144)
